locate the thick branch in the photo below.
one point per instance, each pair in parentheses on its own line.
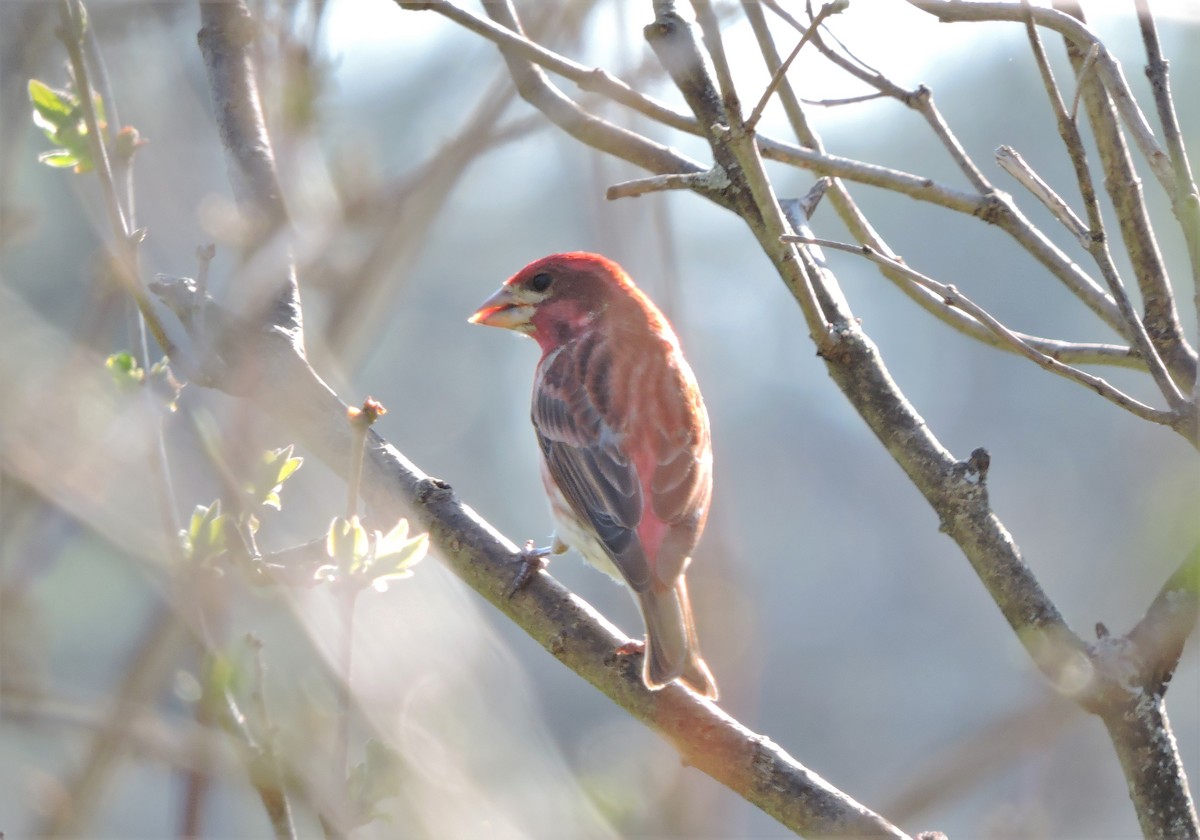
(226,33)
(958,496)
(1171,618)
(1146,748)
(563,624)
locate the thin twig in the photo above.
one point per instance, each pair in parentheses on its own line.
(1158,336)
(923,102)
(953,297)
(848,100)
(124,248)
(1012,163)
(996,209)
(710,27)
(274,796)
(709,179)
(781,71)
(587,78)
(1107,68)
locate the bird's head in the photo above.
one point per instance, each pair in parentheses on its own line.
(560,297)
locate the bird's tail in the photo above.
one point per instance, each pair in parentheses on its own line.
(672,649)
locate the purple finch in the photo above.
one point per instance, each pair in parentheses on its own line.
(626,456)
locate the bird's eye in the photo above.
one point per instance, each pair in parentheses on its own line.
(540,282)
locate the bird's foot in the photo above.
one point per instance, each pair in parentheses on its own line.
(532,561)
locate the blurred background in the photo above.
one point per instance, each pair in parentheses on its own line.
(838,621)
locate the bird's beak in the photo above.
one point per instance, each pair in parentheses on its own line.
(503,309)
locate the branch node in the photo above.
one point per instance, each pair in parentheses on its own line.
(430,490)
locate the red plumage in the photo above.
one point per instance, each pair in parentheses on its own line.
(624,437)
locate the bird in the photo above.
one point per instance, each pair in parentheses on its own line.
(626,451)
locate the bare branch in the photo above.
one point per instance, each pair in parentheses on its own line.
(954,298)
(1108,97)
(781,71)
(225,37)
(698,181)
(1184,200)
(997,208)
(566,626)
(1161,326)
(587,78)
(1163,631)
(1107,67)
(536,89)
(1012,163)
(1097,245)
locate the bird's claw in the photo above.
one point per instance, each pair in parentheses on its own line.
(532,561)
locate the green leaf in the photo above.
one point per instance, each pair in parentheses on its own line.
(125,370)
(59,159)
(347,544)
(56,107)
(276,467)
(396,554)
(206,536)
(223,674)
(289,467)
(59,115)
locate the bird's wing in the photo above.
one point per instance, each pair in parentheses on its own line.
(584,452)
(680,486)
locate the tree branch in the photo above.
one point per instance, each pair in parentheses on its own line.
(1109,70)
(392,486)
(226,33)
(587,78)
(1184,200)
(1160,322)
(562,623)
(537,90)
(952,297)
(1010,161)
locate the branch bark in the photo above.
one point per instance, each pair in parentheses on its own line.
(956,490)
(286,387)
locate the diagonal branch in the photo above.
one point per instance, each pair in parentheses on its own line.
(1164,334)
(952,297)
(289,390)
(567,627)
(1109,101)
(1077,33)
(1184,200)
